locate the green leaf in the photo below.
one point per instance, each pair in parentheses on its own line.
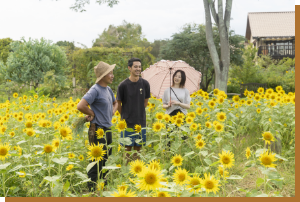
(261,195)
(235,177)
(203,153)
(66,186)
(125,141)
(208,161)
(15,168)
(60,161)
(190,153)
(81,175)
(4,166)
(88,168)
(52,179)
(214,163)
(58,188)
(259,182)
(218,139)
(23,141)
(129,129)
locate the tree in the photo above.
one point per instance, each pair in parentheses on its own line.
(30,60)
(5,48)
(220,61)
(156,46)
(126,35)
(190,46)
(79,4)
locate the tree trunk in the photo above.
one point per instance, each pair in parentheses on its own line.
(221,64)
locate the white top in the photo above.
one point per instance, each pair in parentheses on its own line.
(183,95)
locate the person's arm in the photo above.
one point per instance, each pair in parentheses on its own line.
(183,105)
(146,102)
(83,107)
(119,106)
(115,107)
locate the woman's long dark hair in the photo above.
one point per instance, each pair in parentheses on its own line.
(183,78)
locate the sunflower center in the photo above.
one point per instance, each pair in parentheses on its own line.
(150,178)
(219,127)
(267,137)
(122,126)
(181,177)
(209,184)
(63,132)
(3,151)
(177,160)
(266,160)
(96,152)
(137,169)
(195,182)
(225,159)
(161,194)
(48,149)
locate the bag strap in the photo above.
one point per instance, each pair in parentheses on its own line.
(175,95)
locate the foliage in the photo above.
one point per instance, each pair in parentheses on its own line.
(50,86)
(68,44)
(127,35)
(79,4)
(248,72)
(262,69)
(84,61)
(190,45)
(5,49)
(30,60)
(63,172)
(156,47)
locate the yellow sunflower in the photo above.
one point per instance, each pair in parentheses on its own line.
(180,176)
(267,158)
(177,160)
(96,152)
(248,152)
(123,193)
(200,144)
(15,95)
(236,98)
(179,122)
(30,132)
(137,128)
(194,183)
(260,90)
(219,127)
(69,167)
(221,116)
(22,173)
(189,120)
(199,111)
(114,120)
(159,115)
(150,179)
(193,127)
(81,157)
(210,183)
(136,167)
(167,117)
(223,172)
(211,104)
(71,155)
(268,137)
(4,149)
(100,133)
(157,126)
(122,125)
(208,124)
(65,131)
(154,165)
(162,194)
(226,159)
(258,110)
(48,149)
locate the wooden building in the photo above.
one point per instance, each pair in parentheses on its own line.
(272,33)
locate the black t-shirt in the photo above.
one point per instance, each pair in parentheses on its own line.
(133,95)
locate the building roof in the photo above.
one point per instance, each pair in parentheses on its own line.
(270,24)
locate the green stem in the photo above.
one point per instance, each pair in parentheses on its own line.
(3,184)
(265,184)
(48,158)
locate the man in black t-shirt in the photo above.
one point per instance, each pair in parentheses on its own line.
(132,97)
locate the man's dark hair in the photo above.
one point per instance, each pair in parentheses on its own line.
(183,78)
(130,62)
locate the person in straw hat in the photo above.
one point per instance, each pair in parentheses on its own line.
(103,105)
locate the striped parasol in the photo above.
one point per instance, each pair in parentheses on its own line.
(160,75)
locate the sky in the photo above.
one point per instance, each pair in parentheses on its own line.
(160,19)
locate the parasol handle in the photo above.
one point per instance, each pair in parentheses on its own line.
(170,85)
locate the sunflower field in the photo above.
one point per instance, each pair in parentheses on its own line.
(221,148)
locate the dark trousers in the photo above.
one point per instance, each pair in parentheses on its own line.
(173,113)
(93,174)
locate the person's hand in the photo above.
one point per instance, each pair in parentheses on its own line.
(169,104)
(89,118)
(174,102)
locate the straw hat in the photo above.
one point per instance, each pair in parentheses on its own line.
(102,69)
